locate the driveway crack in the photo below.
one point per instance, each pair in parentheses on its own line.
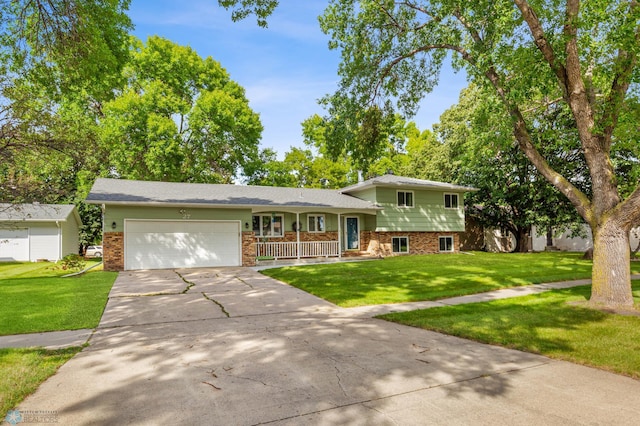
(344,392)
(224,311)
(189,283)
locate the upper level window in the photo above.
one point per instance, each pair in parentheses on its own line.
(405,198)
(450,201)
(316,223)
(268,225)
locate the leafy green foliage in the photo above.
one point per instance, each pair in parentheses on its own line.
(65,47)
(244,8)
(61,60)
(72,262)
(552,324)
(180,118)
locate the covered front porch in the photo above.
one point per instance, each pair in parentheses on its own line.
(304,234)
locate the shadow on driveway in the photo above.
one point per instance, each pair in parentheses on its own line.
(238,348)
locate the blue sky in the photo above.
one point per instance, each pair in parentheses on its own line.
(284,69)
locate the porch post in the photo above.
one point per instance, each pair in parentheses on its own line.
(339,236)
(298,234)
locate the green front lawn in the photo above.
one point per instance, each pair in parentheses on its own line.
(431,277)
(23,370)
(552,324)
(35,298)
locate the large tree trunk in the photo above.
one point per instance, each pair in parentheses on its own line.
(611,275)
(522,240)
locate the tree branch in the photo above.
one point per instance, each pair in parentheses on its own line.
(540,39)
(628,211)
(624,64)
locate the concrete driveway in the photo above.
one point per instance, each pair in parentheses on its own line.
(230,346)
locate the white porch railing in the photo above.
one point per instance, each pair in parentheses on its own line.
(289,250)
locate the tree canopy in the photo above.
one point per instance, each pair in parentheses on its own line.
(179,118)
(65,46)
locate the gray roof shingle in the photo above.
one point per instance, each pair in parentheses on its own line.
(35,212)
(400,181)
(133,192)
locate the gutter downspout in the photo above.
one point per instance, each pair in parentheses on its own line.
(59,257)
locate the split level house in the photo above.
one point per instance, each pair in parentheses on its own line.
(156,225)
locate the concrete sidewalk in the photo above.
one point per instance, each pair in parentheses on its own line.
(48,340)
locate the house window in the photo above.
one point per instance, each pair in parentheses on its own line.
(450,201)
(268,225)
(400,244)
(446,244)
(405,198)
(316,223)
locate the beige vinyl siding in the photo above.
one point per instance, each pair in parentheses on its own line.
(70,236)
(117,214)
(427,215)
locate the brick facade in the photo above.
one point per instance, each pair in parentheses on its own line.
(113,251)
(248,249)
(380,243)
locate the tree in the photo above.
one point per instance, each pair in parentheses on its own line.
(580,56)
(180,118)
(60,60)
(428,158)
(64,45)
(511,194)
(309,167)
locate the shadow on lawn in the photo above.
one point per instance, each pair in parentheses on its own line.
(429,277)
(556,323)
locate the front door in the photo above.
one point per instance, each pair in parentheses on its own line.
(352,233)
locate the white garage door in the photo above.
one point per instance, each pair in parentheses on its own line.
(14,244)
(181,244)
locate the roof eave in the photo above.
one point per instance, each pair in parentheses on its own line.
(452,188)
(253,207)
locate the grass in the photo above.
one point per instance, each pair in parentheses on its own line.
(552,324)
(431,277)
(35,298)
(23,370)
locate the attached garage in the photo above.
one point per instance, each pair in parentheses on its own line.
(162,244)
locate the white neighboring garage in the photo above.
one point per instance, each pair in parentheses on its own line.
(162,244)
(31,232)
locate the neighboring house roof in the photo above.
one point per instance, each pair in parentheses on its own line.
(392,181)
(258,198)
(37,212)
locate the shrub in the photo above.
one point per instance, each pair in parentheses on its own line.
(73,261)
